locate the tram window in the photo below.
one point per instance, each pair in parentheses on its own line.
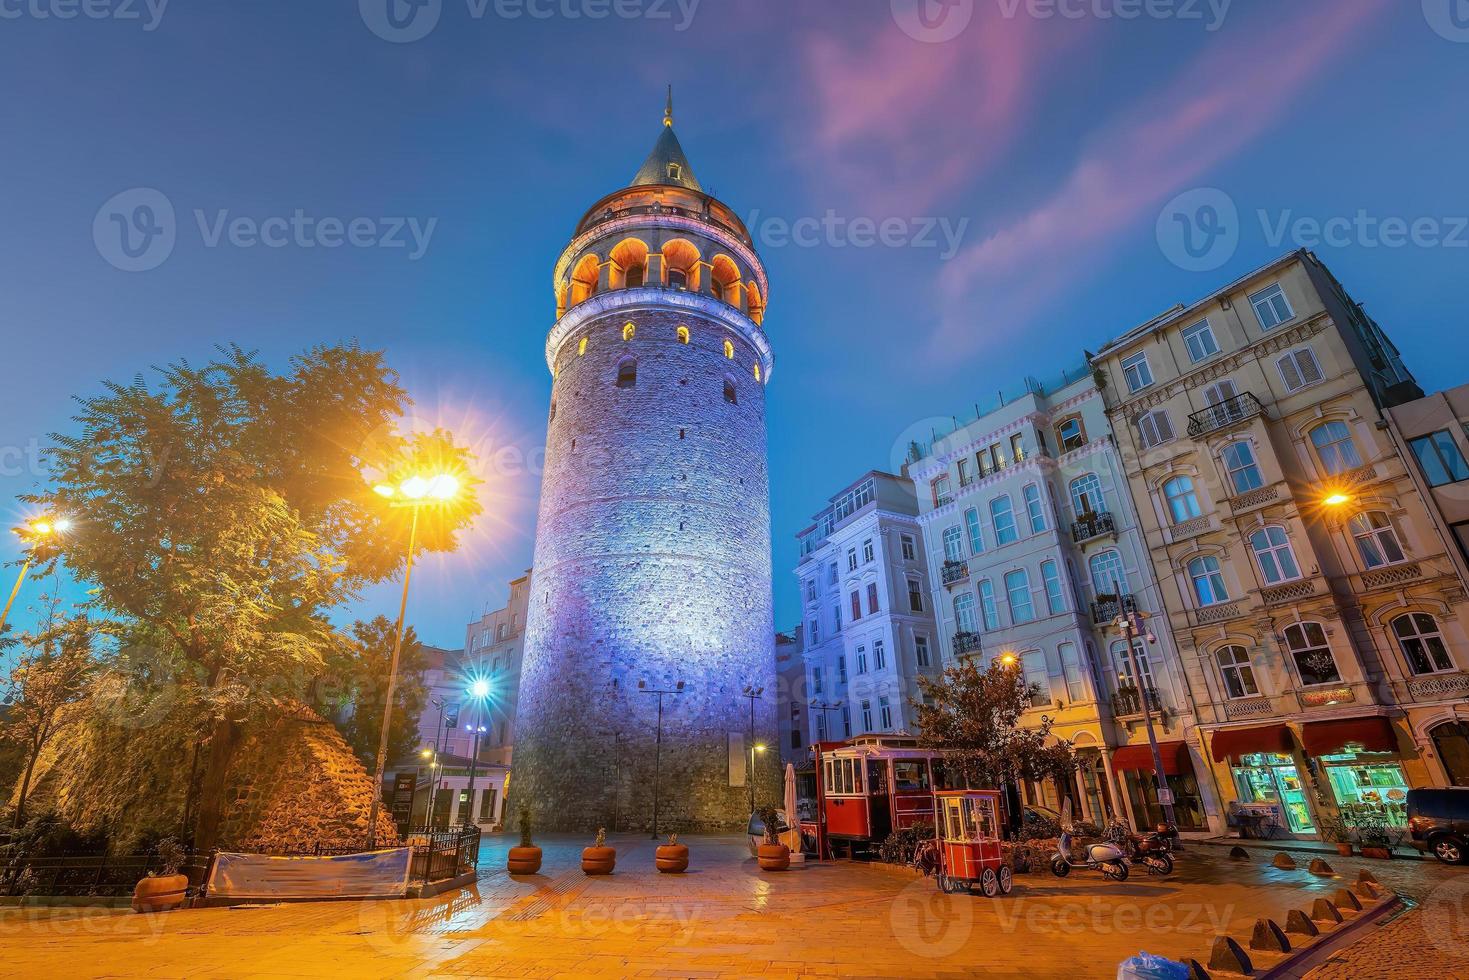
(877,783)
(910,776)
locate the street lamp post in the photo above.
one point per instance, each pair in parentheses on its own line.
(433,792)
(658,745)
(479,692)
(753,694)
(1131,627)
(823,707)
(36,531)
(415,493)
(473,761)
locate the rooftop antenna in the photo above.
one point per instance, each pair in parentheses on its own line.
(668,111)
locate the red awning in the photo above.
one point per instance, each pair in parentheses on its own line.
(1235,742)
(1140,757)
(1373,734)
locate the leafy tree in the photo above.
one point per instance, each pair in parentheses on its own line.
(223,511)
(975,715)
(53,673)
(354,685)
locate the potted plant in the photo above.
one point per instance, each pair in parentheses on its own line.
(525,859)
(1339,832)
(1377,840)
(599,859)
(673,857)
(166,889)
(772,854)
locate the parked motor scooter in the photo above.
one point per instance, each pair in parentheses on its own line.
(1152,850)
(1106,858)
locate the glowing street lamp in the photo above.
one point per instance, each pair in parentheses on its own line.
(415,492)
(1009,659)
(479,690)
(34,533)
(1337,500)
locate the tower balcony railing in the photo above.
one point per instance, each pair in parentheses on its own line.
(1107,608)
(966,643)
(1231,411)
(954,572)
(1089,526)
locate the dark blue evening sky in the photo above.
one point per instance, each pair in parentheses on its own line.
(1052,143)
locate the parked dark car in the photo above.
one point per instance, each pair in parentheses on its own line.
(1438,821)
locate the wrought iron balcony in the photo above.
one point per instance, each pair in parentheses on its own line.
(1089,526)
(954,571)
(1128,701)
(1108,607)
(1231,411)
(966,643)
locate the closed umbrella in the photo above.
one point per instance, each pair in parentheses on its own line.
(792,837)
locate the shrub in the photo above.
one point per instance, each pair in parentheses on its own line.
(900,844)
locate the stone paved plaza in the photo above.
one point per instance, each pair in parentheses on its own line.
(726,919)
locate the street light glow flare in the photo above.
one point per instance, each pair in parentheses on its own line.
(384,490)
(415,488)
(1337,499)
(61,526)
(443,487)
(1008,659)
(42,528)
(479,688)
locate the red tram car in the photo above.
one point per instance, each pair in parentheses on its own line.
(868,787)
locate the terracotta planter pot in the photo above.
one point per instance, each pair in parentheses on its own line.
(598,860)
(672,858)
(1380,853)
(524,861)
(161,894)
(1345,850)
(774,857)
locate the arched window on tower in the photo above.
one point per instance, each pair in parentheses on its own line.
(757,370)
(629,331)
(683,335)
(681,264)
(725,276)
(581,348)
(553,410)
(729,350)
(730,394)
(627,372)
(584,279)
(629,263)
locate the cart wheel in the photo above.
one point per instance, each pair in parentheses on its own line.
(1007,880)
(989,883)
(945,885)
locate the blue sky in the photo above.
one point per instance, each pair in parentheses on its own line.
(1019,168)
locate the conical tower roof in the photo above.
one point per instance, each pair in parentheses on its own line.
(667,164)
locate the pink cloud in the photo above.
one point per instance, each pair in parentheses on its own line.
(1219,104)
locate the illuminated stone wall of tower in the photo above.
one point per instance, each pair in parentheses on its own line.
(652,559)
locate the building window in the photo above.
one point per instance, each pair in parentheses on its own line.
(1070,434)
(909,547)
(757,370)
(871,598)
(1335,448)
(920,650)
(986,461)
(851,559)
(1422,643)
(1071,671)
(730,395)
(885,712)
(867,716)
(1002,515)
(987,605)
(976,536)
(815,631)
(1154,428)
(1239,465)
(1311,653)
(627,372)
(1440,459)
(629,331)
(487,805)
(1298,369)
(1108,576)
(963,468)
(941,495)
(1218,394)
(953,544)
(821,726)
(810,590)
(846,722)
(1086,495)
(1017,590)
(1208,580)
(683,335)
(867,552)
(861,661)
(856,606)
(1239,676)
(964,612)
(915,596)
(1183,503)
(728,350)
(1377,540)
(581,347)
(1271,307)
(1017,447)
(795,738)
(1273,551)
(816,680)
(842,668)
(1037,674)
(1137,372)
(879,655)
(1055,598)
(1199,339)
(1143,679)
(1034,512)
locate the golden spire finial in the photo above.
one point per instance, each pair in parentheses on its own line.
(668,112)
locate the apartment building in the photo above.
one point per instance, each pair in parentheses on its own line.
(793,717)
(869,631)
(1316,607)
(1037,548)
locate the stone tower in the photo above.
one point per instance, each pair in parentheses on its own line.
(652,560)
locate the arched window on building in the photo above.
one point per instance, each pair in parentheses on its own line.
(681,264)
(629,331)
(1311,653)
(1377,540)
(724,275)
(683,335)
(1335,448)
(1239,464)
(1086,495)
(1422,644)
(584,279)
(1183,503)
(1277,559)
(1208,581)
(1108,576)
(1237,672)
(627,372)
(630,258)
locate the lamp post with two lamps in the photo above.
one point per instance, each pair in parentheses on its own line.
(479,690)
(33,533)
(415,493)
(658,744)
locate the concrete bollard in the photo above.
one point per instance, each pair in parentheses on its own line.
(1284,861)
(1367,890)
(1320,867)
(1346,900)
(1227,955)
(1239,853)
(1267,937)
(1365,875)
(1298,923)
(1196,971)
(1325,911)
